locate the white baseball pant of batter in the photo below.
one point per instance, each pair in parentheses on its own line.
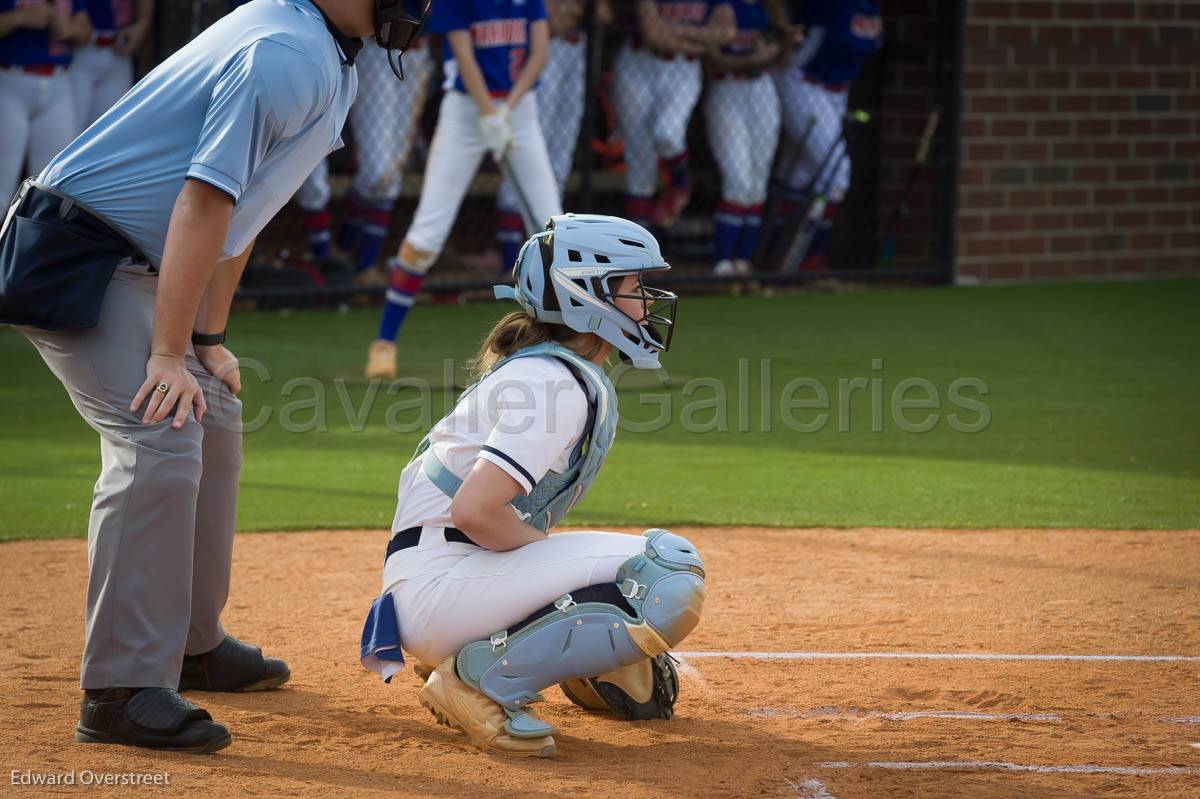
(560,112)
(654,99)
(743,129)
(454,157)
(37,120)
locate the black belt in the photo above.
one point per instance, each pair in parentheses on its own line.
(406,539)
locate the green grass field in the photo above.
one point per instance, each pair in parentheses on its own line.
(1092,416)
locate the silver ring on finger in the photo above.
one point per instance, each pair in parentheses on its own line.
(162,388)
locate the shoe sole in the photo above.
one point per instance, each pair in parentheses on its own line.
(265,684)
(443,718)
(85,736)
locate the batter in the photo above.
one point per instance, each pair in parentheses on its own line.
(495,50)
(473,587)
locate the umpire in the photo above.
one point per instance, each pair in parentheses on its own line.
(119,263)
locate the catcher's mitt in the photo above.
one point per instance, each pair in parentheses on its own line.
(646,690)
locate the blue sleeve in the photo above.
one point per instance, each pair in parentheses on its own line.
(537,10)
(78,5)
(449,15)
(265,94)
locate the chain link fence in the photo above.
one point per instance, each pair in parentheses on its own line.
(763,142)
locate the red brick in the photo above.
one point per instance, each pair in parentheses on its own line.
(984,151)
(987,104)
(1068,244)
(976,34)
(1043,10)
(1009,127)
(1184,239)
(989,56)
(1130,219)
(1152,195)
(1007,223)
(1134,80)
(978,247)
(1031,104)
(1056,35)
(1051,79)
(1110,149)
(1010,80)
(1069,197)
(991,10)
(1114,102)
(1030,55)
(1042,270)
(1028,151)
(1135,126)
(1158,10)
(1153,56)
(1132,172)
(1029,198)
(1148,241)
(1050,221)
(1052,127)
(1189,11)
(1152,149)
(1082,10)
(1090,173)
(972,80)
(1172,126)
(972,128)
(1166,265)
(1027,245)
(1073,103)
(1172,217)
(978,198)
(971,176)
(1068,149)
(1012,34)
(1088,266)
(1097,36)
(1173,80)
(1087,220)
(1186,194)
(970,223)
(1187,102)
(1115,10)
(1007,270)
(1110,196)
(1093,126)
(1070,56)
(1135,35)
(1188,149)
(1131,265)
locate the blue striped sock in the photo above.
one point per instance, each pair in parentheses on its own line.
(727,224)
(403,287)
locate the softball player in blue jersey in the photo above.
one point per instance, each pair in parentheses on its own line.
(37,115)
(495,50)
(493,609)
(119,263)
(813,90)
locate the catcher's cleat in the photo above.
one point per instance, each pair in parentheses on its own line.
(381,360)
(154,718)
(646,690)
(232,666)
(456,704)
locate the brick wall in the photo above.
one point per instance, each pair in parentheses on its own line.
(1080,139)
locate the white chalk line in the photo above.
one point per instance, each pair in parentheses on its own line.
(988,765)
(1180,719)
(858,714)
(938,656)
(810,789)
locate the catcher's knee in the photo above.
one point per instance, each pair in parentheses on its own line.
(665,584)
(415,260)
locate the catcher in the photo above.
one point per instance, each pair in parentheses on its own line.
(493,608)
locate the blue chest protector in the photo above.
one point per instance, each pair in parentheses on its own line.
(556,493)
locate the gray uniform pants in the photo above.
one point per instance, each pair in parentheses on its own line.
(160,538)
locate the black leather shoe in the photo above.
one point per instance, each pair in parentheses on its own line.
(155,718)
(233,666)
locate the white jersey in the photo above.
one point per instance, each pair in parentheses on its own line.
(525,417)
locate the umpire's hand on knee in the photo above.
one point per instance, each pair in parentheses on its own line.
(169,387)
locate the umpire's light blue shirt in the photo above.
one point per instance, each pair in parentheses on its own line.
(250,106)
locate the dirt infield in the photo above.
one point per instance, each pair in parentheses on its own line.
(813,703)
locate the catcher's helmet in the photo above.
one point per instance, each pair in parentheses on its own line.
(570,273)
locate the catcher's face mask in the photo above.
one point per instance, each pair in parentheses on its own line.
(397,23)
